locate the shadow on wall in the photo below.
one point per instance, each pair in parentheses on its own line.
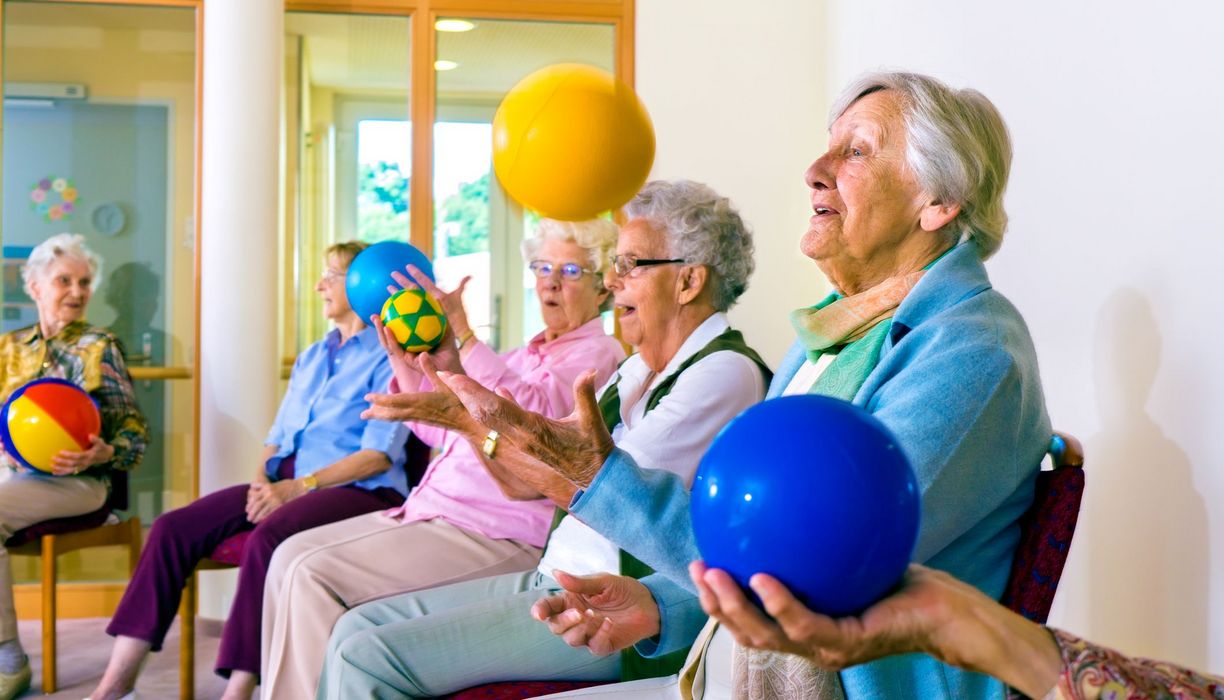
(1147,526)
(133,290)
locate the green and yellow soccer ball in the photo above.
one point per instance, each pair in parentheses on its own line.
(416,319)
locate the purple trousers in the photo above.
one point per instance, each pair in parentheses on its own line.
(180,538)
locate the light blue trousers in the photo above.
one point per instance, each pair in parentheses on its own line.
(441,640)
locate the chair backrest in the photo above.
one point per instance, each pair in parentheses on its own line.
(1046,531)
(118,499)
(418,454)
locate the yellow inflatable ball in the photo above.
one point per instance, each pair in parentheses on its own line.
(416,319)
(571,141)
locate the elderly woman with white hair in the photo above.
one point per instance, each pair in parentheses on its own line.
(906,202)
(468,518)
(683,259)
(61,276)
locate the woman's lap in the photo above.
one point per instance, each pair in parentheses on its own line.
(440,640)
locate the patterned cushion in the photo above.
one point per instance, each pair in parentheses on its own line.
(59,526)
(230,549)
(519,690)
(1045,540)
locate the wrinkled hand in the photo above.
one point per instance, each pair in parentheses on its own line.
(264,498)
(262,479)
(403,365)
(575,446)
(445,354)
(67,462)
(438,407)
(452,302)
(603,612)
(921,616)
(931,612)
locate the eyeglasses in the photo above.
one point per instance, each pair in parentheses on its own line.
(624,265)
(569,270)
(330,275)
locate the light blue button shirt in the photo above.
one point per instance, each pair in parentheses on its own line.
(320,417)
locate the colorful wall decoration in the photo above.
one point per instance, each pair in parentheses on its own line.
(54,198)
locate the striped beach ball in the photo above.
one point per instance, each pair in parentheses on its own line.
(44,417)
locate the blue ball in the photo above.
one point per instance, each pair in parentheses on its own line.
(370,273)
(813,491)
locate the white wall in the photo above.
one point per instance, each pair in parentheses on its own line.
(1117,113)
(738,102)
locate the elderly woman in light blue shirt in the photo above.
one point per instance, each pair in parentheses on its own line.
(321,463)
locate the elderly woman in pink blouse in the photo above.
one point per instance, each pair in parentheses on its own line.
(468,518)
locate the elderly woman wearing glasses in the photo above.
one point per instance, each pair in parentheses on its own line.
(60,276)
(468,518)
(683,259)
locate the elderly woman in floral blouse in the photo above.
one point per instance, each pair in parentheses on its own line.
(61,276)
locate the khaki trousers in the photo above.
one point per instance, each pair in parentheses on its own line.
(318,575)
(27,498)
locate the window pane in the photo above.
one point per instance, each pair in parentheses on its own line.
(99,139)
(348,159)
(384,161)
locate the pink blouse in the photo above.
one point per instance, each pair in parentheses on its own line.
(456,487)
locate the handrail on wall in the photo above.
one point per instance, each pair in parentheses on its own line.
(144,374)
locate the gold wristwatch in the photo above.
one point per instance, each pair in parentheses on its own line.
(310,482)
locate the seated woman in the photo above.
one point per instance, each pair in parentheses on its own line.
(321,462)
(466,519)
(934,613)
(60,277)
(683,259)
(907,202)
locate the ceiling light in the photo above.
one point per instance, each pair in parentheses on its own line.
(443,64)
(454,25)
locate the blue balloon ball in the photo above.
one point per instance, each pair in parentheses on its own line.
(813,491)
(370,273)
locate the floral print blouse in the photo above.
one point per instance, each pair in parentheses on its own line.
(1091,672)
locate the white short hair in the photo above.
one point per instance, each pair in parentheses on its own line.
(958,148)
(61,245)
(596,236)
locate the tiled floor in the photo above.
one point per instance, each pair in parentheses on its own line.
(84,648)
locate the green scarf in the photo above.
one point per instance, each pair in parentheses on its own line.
(854,329)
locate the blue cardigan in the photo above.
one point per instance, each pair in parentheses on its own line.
(957,382)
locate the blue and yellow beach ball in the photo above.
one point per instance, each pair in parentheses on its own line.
(44,417)
(416,318)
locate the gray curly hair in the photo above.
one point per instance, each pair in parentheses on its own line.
(958,148)
(702,228)
(69,245)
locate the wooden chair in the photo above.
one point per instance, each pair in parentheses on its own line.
(51,538)
(228,555)
(1045,540)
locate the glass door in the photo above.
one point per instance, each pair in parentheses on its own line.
(348,149)
(99,124)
